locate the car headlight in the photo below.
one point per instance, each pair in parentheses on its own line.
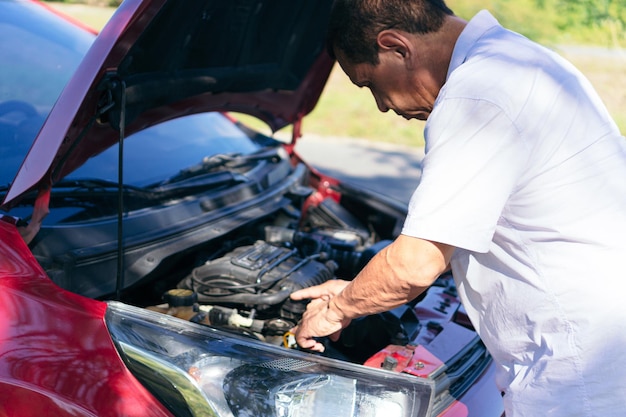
(196,370)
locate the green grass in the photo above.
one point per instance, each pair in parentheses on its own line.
(347,111)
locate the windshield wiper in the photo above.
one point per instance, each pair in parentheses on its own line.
(97,185)
(196,177)
(91,185)
(222,160)
(198,181)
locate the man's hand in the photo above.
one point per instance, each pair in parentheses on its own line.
(320,318)
(394,276)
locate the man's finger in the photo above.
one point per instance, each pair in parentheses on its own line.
(313,345)
(310,292)
(306,343)
(326,290)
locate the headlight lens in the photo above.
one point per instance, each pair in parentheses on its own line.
(199,371)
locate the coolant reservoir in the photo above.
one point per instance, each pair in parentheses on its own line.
(181,303)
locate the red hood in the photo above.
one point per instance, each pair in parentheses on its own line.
(160,59)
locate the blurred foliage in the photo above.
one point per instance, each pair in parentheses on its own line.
(606,16)
(591,22)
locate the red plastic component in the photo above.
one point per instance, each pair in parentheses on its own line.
(414,360)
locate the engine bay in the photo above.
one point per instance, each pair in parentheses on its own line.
(230,258)
(245,286)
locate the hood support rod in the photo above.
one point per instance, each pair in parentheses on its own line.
(119,283)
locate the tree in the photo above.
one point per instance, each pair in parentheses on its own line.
(610,14)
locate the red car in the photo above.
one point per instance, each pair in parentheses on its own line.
(159,282)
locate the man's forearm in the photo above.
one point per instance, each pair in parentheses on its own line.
(395,276)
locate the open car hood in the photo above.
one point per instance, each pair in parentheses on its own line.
(156,60)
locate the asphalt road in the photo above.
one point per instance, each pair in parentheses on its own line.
(390,169)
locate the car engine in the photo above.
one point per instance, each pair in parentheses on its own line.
(247,289)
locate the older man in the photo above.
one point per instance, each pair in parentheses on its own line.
(523,195)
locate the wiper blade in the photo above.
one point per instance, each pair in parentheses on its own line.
(199,181)
(89,185)
(94,186)
(223,160)
(99,185)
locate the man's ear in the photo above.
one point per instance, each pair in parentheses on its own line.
(391,40)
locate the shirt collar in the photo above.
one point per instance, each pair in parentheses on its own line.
(474,30)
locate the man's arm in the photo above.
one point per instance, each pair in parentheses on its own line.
(395,276)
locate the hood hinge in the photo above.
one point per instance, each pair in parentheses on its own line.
(109,103)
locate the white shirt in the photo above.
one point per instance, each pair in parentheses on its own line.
(525,173)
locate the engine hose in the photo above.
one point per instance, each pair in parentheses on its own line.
(245,298)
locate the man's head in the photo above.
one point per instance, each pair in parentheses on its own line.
(355,24)
(399,49)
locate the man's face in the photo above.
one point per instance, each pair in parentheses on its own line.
(393,85)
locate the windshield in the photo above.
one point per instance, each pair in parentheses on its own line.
(39,52)
(160,152)
(151,156)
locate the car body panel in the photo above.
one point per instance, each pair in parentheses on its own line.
(57,357)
